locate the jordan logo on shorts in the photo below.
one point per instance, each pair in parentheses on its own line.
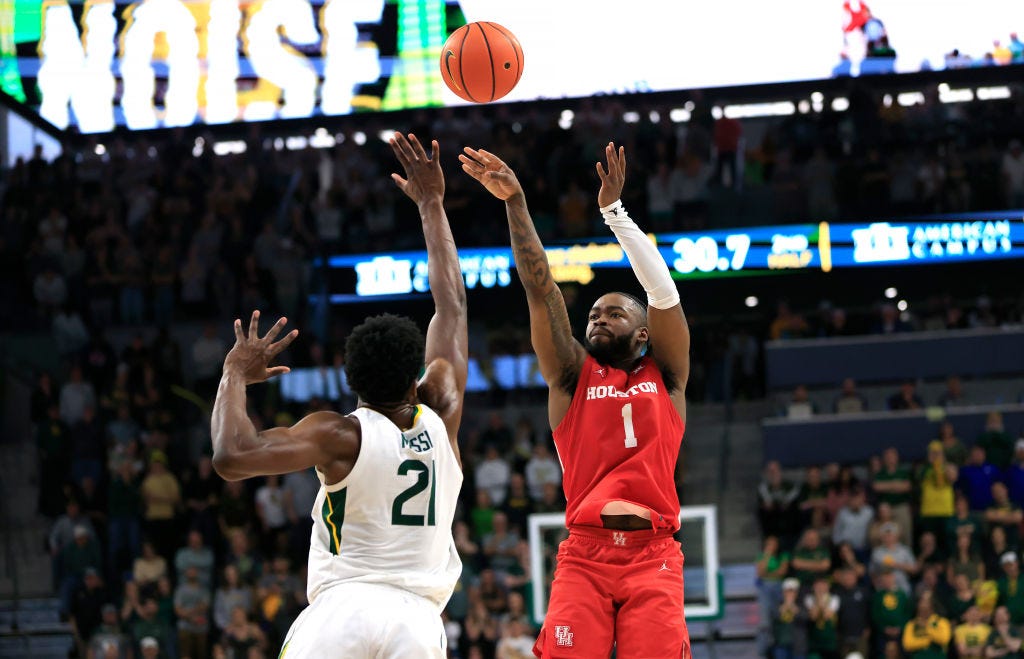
(618,538)
(563,637)
(664,567)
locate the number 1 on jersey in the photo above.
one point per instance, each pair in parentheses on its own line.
(627,422)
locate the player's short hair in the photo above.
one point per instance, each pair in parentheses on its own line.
(639,305)
(383,357)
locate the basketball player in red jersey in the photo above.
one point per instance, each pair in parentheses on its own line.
(617,411)
(855,15)
(855,43)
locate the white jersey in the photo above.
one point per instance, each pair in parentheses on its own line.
(390,520)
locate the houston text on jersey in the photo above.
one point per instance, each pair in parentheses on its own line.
(609,391)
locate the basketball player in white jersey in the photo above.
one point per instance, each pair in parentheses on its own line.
(382,562)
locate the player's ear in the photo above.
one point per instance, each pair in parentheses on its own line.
(643,335)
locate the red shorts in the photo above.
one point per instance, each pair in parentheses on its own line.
(616,587)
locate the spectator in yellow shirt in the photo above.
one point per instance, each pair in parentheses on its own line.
(972,635)
(161,494)
(927,635)
(936,478)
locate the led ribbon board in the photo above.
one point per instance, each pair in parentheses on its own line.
(740,252)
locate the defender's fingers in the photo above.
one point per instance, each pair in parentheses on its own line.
(472,172)
(277,348)
(417,148)
(473,154)
(403,144)
(490,157)
(276,329)
(502,177)
(393,143)
(612,156)
(470,165)
(239,336)
(277,370)
(254,325)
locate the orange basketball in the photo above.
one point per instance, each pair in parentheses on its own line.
(481,62)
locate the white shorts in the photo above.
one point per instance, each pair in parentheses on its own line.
(371,621)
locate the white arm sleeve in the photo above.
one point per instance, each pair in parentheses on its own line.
(649,267)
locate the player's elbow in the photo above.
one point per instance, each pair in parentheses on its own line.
(226,466)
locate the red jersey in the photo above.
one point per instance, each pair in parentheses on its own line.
(619,441)
(855,19)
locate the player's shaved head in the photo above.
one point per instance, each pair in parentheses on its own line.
(636,304)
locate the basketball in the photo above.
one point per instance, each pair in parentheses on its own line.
(481,62)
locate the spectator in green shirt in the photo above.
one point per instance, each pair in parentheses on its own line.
(956,452)
(76,556)
(964,560)
(960,600)
(892,485)
(890,610)
(54,448)
(1005,513)
(1011,587)
(789,624)
(772,566)
(996,441)
(124,510)
(813,499)
(148,625)
(822,613)
(964,521)
(1004,642)
(810,559)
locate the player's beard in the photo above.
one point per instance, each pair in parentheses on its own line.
(615,350)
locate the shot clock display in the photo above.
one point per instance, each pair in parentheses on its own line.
(741,252)
(764,248)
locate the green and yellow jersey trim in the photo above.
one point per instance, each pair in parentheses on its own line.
(333,512)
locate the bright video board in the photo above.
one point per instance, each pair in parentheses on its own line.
(98,64)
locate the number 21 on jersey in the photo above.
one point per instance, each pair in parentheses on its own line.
(424,478)
(627,422)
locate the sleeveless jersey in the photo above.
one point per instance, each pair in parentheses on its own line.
(619,441)
(390,520)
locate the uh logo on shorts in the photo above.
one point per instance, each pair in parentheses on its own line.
(563,636)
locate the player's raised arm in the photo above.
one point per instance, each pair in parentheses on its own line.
(241,452)
(669,333)
(559,355)
(443,384)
